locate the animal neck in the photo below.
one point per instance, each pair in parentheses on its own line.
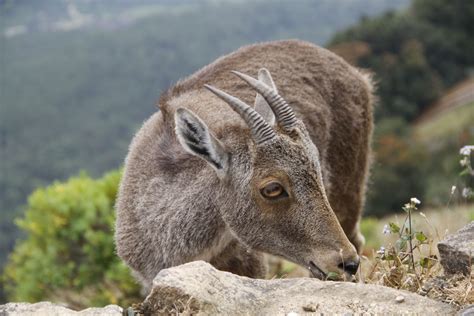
(217,246)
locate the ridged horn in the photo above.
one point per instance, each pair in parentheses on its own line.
(260,129)
(283,112)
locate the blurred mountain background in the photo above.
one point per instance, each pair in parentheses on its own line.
(77,79)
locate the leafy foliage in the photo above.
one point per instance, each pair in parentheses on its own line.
(415,55)
(467,171)
(69,246)
(409,260)
(397,169)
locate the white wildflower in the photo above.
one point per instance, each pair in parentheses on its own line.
(466,192)
(415,200)
(453,189)
(466,150)
(386,229)
(464,162)
(381,251)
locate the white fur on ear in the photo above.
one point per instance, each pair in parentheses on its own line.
(261,106)
(193,134)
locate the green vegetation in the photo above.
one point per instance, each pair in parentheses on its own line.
(415,55)
(442,220)
(68,254)
(389,260)
(369,227)
(408,260)
(446,126)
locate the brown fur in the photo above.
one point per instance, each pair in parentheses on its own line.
(167,213)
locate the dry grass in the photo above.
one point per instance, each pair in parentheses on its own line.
(427,280)
(435,222)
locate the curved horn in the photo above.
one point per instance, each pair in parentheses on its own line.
(283,112)
(260,129)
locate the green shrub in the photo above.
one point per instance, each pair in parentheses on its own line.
(369,227)
(397,173)
(68,254)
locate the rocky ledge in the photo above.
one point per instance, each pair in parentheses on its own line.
(197,288)
(50,309)
(457,251)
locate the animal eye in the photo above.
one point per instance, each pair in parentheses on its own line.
(273,190)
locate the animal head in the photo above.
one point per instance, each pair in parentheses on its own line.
(272,193)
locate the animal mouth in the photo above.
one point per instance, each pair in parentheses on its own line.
(316,271)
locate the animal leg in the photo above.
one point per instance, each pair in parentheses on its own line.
(356,237)
(238,259)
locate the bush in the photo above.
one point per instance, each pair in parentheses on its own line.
(369,227)
(415,54)
(398,170)
(68,254)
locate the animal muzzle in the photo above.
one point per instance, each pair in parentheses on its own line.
(350,267)
(343,266)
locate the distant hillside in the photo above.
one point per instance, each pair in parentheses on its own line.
(460,95)
(449,117)
(442,129)
(24,17)
(416,56)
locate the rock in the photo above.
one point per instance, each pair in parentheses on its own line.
(50,309)
(467,311)
(400,299)
(185,289)
(310,308)
(456,251)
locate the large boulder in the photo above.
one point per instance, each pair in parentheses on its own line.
(198,288)
(50,309)
(457,251)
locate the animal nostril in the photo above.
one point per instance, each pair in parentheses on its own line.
(349,266)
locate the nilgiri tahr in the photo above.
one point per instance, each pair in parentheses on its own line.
(265,150)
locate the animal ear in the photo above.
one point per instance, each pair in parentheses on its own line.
(261,106)
(194,136)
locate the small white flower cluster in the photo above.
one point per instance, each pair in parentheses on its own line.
(466,192)
(413,202)
(466,164)
(386,229)
(453,189)
(466,150)
(381,251)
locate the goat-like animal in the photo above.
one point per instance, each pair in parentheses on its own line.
(209,177)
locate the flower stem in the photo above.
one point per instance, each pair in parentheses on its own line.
(410,237)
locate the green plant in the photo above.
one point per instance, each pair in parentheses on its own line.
(368,228)
(409,261)
(401,255)
(467,171)
(68,254)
